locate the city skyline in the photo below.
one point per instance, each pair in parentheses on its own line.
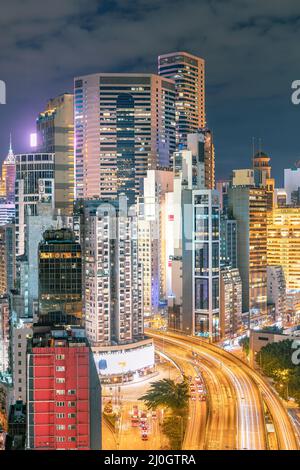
(235,87)
(149,226)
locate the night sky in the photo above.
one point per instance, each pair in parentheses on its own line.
(251,50)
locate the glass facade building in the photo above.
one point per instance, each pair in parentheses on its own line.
(188,73)
(201,263)
(60,278)
(124,125)
(34,182)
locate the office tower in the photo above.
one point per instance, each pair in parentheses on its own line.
(284,243)
(200,263)
(55,134)
(203,151)
(34,183)
(4,333)
(25,296)
(248,206)
(291,181)
(152,235)
(277,291)
(113,296)
(243,177)
(7,183)
(222,186)
(7,213)
(230,303)
(7,258)
(63,391)
(228,242)
(124,125)
(188,73)
(60,278)
(262,176)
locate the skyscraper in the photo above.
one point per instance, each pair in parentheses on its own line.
(124,125)
(262,176)
(113,295)
(202,147)
(7,184)
(284,243)
(248,206)
(152,234)
(34,182)
(200,263)
(60,278)
(55,132)
(188,73)
(230,302)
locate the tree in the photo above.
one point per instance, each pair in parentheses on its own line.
(245,344)
(168,393)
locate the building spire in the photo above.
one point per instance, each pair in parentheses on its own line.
(10,156)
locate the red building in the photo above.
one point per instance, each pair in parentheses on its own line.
(63,391)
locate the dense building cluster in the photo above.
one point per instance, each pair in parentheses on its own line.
(114,222)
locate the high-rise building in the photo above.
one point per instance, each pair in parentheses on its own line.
(60,278)
(7,213)
(4,333)
(7,183)
(222,186)
(34,183)
(188,73)
(7,258)
(153,237)
(291,181)
(248,206)
(25,296)
(277,291)
(124,125)
(55,134)
(63,391)
(262,176)
(113,296)
(230,303)
(228,242)
(203,152)
(200,263)
(284,243)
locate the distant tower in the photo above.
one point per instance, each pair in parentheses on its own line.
(262,175)
(7,186)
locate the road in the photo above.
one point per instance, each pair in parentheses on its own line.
(237,393)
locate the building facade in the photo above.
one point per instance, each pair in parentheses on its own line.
(55,134)
(277,291)
(60,278)
(113,289)
(201,263)
(63,391)
(248,206)
(284,243)
(34,183)
(230,303)
(188,73)
(124,125)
